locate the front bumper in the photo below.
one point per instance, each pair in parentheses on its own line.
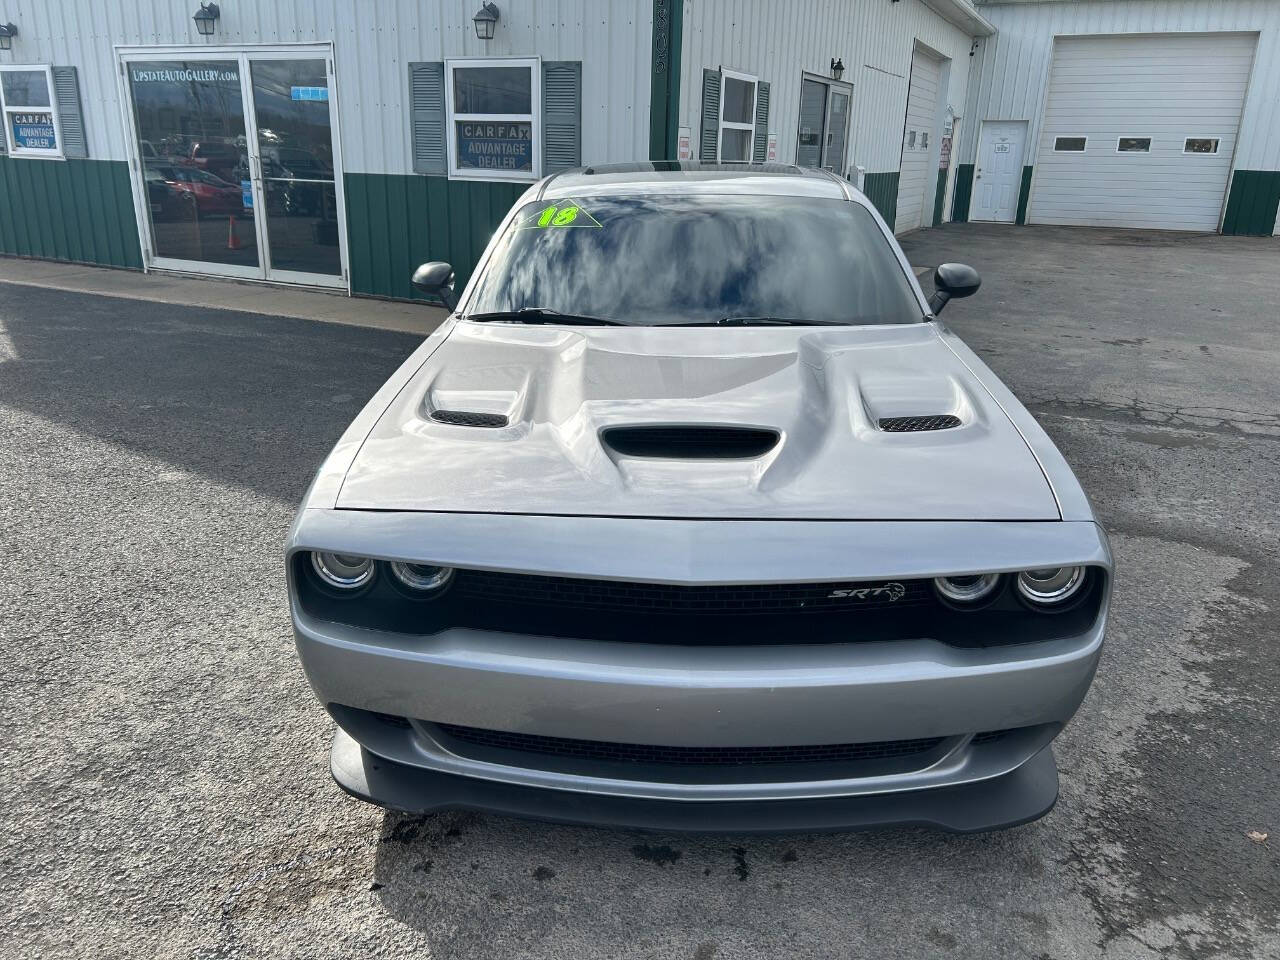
(787,694)
(1020,796)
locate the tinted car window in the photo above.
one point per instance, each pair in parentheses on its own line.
(656,260)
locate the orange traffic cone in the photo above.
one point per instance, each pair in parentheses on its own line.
(233,242)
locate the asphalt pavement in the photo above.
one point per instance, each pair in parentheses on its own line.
(164,789)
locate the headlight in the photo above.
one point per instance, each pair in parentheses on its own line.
(421,577)
(1050,586)
(967,589)
(342,571)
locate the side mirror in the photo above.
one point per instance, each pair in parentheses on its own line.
(952,281)
(435,279)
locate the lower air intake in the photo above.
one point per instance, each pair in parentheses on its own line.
(465,418)
(690,442)
(944,421)
(651,753)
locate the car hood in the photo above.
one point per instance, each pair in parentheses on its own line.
(822,391)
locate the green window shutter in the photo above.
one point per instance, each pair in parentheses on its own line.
(427,117)
(761,147)
(66,92)
(561,115)
(709,145)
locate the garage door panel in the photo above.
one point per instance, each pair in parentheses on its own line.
(921,115)
(1167,87)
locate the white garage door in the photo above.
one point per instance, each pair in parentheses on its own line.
(917,141)
(1139,130)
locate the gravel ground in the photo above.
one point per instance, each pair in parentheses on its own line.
(164,780)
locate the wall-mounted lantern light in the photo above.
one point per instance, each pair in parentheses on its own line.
(7,32)
(206,19)
(837,67)
(485,20)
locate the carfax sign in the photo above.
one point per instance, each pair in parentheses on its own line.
(487,145)
(34,131)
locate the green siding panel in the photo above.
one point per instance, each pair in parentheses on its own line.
(1024,194)
(938,197)
(882,190)
(79,210)
(1252,203)
(963,193)
(396,222)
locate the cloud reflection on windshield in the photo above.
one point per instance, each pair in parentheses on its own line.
(688,259)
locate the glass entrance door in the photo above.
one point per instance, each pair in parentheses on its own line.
(192,153)
(295,168)
(824,124)
(236,165)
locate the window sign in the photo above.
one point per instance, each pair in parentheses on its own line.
(495,146)
(33,131)
(30,114)
(309,93)
(495,119)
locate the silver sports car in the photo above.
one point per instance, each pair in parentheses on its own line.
(692,515)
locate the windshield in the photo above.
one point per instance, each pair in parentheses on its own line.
(697,259)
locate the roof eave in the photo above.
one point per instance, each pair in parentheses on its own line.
(963,15)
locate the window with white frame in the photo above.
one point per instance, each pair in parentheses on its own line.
(494,123)
(1201,145)
(1133,145)
(737,116)
(31,121)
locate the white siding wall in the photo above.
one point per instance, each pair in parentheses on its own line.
(374,40)
(1011,69)
(776,41)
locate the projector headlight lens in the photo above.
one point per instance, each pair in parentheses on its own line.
(1050,586)
(968,589)
(342,571)
(421,577)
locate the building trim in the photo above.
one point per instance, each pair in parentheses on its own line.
(664,88)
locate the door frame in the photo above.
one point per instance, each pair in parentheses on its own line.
(244,54)
(839,86)
(982,127)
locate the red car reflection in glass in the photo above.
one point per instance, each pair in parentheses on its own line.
(187,192)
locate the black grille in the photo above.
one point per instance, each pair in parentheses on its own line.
(658,598)
(941,421)
(690,442)
(465,418)
(652,753)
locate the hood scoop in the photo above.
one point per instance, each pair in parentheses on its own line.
(469,418)
(938,421)
(690,442)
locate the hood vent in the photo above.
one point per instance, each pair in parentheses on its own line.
(464,418)
(690,442)
(940,421)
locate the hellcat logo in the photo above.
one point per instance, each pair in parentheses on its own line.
(890,592)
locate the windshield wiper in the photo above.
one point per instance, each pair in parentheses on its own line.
(759,322)
(543,315)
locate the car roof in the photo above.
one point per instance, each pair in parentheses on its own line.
(688,177)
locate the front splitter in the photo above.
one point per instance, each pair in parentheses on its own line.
(1022,795)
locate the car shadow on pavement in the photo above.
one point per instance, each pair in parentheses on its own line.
(241,398)
(579,891)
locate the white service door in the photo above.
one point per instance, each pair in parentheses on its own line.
(998,175)
(917,177)
(1166,87)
